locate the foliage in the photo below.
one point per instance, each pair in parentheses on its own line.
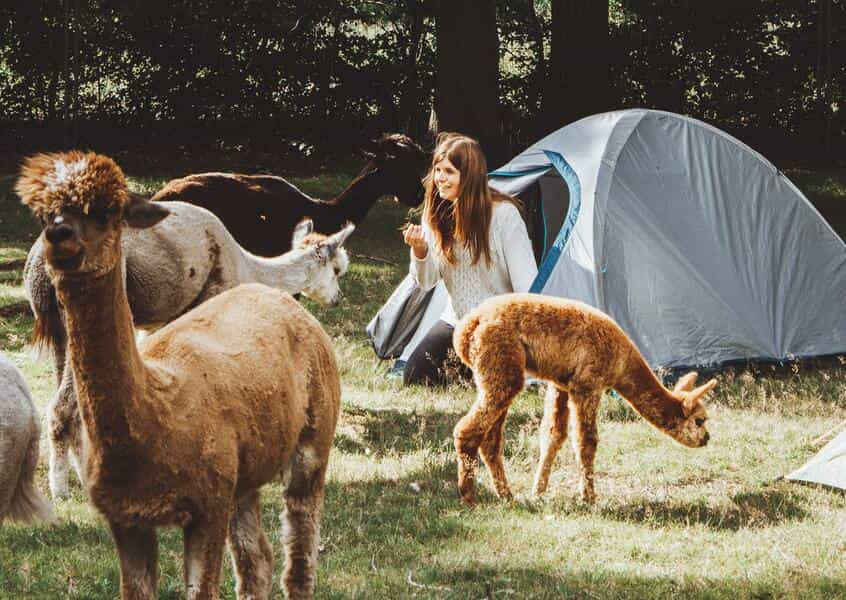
(297,74)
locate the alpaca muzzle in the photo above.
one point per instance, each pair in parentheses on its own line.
(65,254)
(58,233)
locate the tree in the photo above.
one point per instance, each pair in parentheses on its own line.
(467,81)
(579,63)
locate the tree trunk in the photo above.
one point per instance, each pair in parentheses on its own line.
(411,115)
(539,73)
(579,63)
(467,89)
(823,76)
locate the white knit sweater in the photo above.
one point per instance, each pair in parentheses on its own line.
(512,267)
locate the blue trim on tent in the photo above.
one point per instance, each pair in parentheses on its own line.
(518,173)
(551,258)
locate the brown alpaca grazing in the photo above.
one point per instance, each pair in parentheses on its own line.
(185,428)
(581,353)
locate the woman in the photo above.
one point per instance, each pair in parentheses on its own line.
(472,237)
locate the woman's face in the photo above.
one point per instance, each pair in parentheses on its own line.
(446,178)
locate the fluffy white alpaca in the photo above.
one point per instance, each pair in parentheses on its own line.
(20,431)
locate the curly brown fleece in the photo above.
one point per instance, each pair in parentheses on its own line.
(52,182)
(581,353)
(183,429)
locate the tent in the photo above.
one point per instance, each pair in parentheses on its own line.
(828,467)
(694,243)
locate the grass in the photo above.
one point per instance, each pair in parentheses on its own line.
(669,522)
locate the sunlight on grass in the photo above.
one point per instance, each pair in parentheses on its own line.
(669,522)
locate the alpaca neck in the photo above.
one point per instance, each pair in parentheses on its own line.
(355,201)
(108,370)
(289,272)
(640,387)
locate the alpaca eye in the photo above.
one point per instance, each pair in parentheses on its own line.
(99,215)
(699,422)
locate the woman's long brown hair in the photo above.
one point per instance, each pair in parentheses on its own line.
(468,219)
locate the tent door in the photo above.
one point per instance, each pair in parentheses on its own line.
(545,204)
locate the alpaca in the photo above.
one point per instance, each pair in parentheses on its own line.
(185,427)
(261,211)
(20,432)
(580,352)
(170,268)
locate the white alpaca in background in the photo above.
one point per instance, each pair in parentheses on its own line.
(20,432)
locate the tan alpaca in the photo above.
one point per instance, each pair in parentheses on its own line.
(184,429)
(581,352)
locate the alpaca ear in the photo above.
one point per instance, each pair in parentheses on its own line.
(336,240)
(685,383)
(303,228)
(692,398)
(140,213)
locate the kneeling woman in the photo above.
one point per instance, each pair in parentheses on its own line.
(473,238)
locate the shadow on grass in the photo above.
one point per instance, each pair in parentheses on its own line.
(393,431)
(603,582)
(746,510)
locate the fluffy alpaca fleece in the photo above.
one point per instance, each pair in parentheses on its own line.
(20,431)
(261,211)
(185,427)
(581,353)
(170,268)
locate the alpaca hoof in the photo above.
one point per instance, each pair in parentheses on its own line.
(588,497)
(538,490)
(59,489)
(505,494)
(59,492)
(468,496)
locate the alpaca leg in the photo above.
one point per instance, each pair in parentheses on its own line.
(203,554)
(499,379)
(77,455)
(13,444)
(553,433)
(137,552)
(64,420)
(301,520)
(585,440)
(491,451)
(252,555)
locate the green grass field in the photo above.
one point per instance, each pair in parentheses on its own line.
(669,521)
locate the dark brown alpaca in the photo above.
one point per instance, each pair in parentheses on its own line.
(261,211)
(185,428)
(581,353)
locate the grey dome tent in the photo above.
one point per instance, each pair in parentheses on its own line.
(694,243)
(828,467)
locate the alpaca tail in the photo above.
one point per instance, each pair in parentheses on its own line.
(462,336)
(28,503)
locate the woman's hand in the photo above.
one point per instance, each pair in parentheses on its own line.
(413,236)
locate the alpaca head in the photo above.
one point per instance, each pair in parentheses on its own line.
(691,430)
(330,260)
(402,162)
(82,202)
